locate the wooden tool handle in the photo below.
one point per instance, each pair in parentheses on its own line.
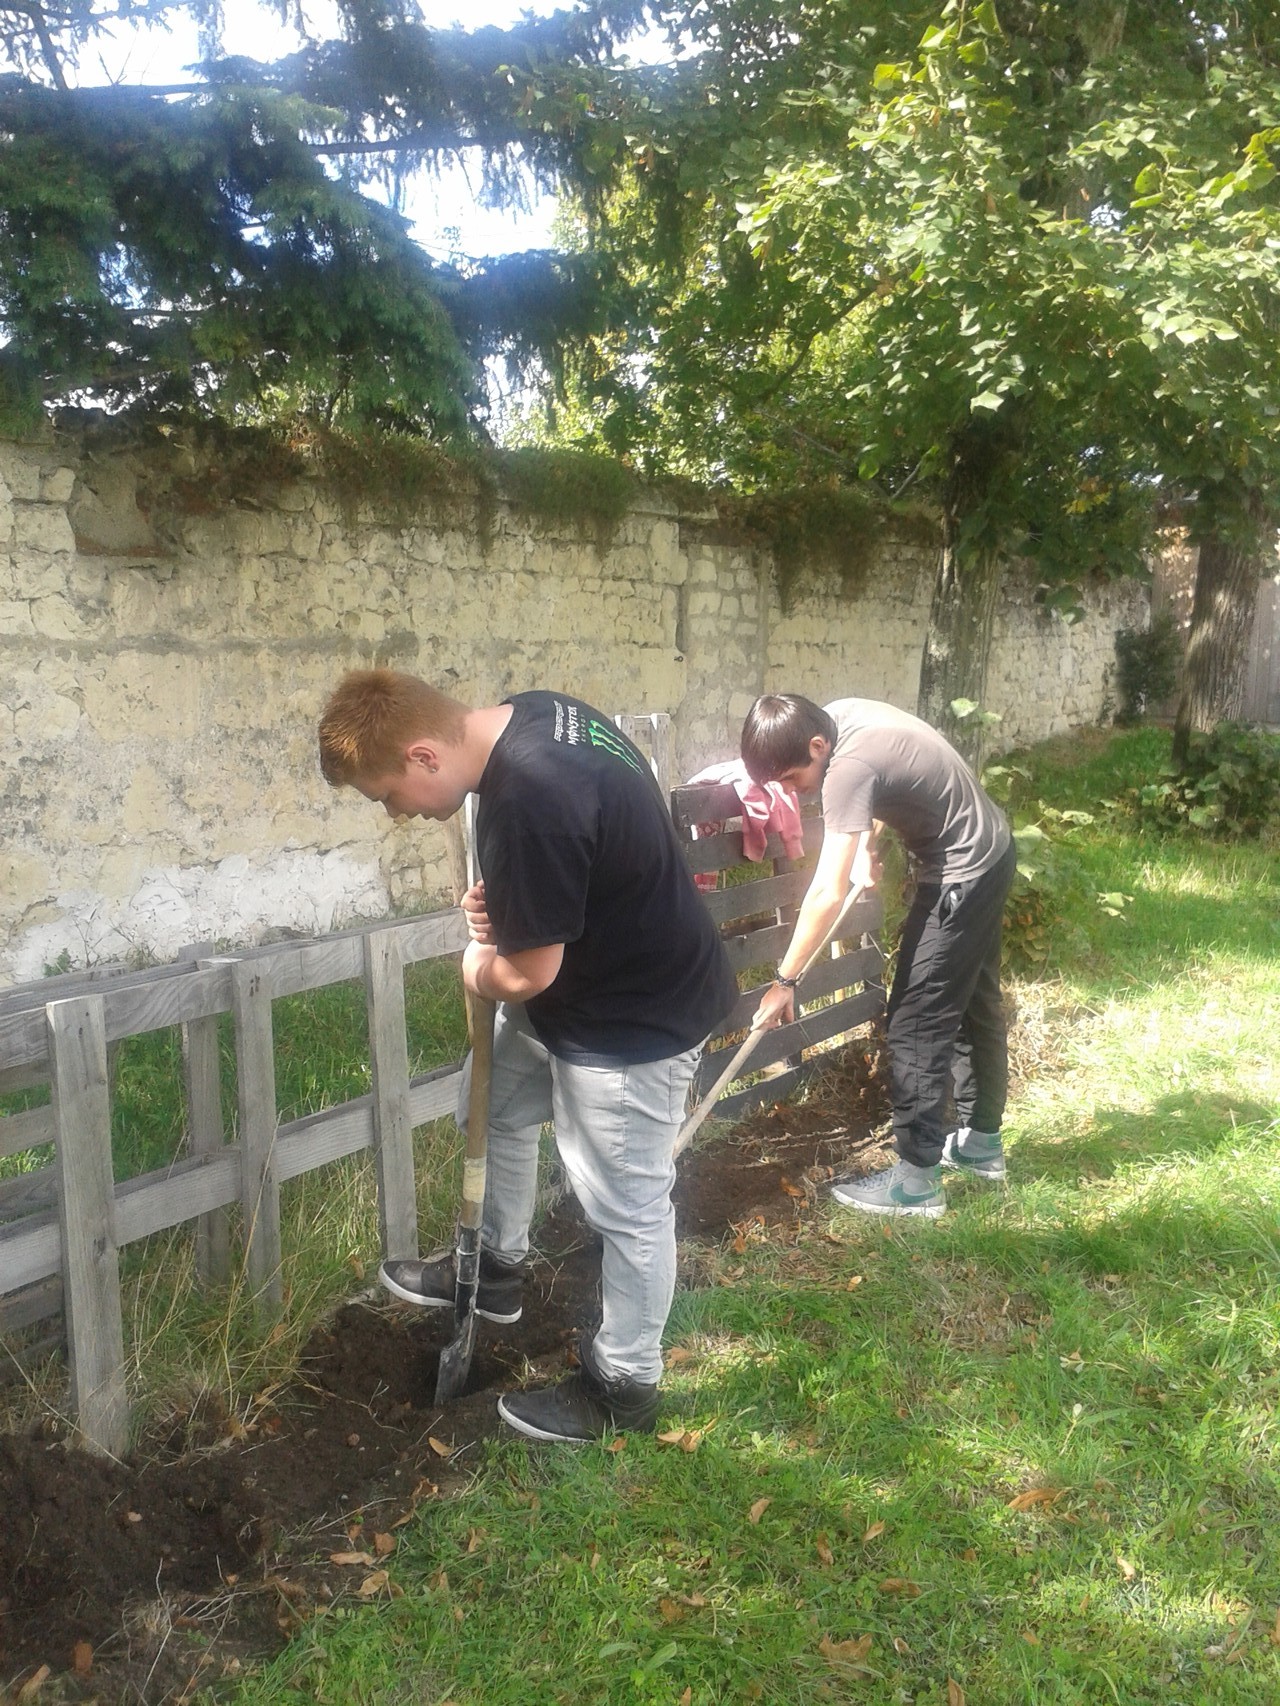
(747,1046)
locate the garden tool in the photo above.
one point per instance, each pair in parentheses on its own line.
(748,1046)
(455,1358)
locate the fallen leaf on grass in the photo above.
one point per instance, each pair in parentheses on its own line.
(32,1686)
(373,1584)
(758,1509)
(1274,1636)
(1126,1569)
(791,1190)
(688,1439)
(854,1283)
(617,1444)
(955,1694)
(351,1558)
(474,1537)
(678,1354)
(900,1584)
(383,1544)
(1036,1496)
(670,1612)
(970,1555)
(686,1698)
(845,1652)
(825,1554)
(439,1447)
(873,1533)
(1030,1637)
(901,1648)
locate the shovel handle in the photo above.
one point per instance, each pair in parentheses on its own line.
(753,1036)
(480,1017)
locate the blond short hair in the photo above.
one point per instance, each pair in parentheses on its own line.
(374,715)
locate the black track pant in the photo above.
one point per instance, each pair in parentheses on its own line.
(946,1023)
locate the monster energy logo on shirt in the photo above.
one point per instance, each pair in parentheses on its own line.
(569,728)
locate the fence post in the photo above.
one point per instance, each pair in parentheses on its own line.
(389,1065)
(256,1102)
(86,1213)
(202,1084)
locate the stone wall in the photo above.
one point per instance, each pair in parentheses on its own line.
(163,659)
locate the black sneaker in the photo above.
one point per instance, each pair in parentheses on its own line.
(433,1285)
(588,1405)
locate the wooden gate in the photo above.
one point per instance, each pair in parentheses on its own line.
(756,916)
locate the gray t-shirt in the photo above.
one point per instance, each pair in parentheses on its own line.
(890,765)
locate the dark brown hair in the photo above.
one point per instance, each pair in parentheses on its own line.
(777,732)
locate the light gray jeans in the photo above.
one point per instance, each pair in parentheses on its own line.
(615,1128)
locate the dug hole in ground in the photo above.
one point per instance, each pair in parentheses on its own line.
(220,1536)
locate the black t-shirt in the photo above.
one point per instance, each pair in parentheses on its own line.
(576,845)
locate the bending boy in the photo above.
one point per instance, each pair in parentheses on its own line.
(946,1024)
(588,931)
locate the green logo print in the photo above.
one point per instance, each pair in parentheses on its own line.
(609,740)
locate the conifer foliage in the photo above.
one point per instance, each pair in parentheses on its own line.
(213,247)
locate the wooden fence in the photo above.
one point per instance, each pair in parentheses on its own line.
(756,918)
(74,1217)
(62,1227)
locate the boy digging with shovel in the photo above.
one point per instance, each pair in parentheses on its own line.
(588,932)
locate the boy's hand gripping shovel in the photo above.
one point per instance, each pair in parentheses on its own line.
(455,1358)
(747,1047)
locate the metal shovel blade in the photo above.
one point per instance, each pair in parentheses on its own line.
(455,1358)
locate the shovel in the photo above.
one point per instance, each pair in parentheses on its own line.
(455,1358)
(748,1046)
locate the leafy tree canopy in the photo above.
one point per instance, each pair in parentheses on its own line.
(216,248)
(1021,254)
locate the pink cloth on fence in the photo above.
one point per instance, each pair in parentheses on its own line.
(767,808)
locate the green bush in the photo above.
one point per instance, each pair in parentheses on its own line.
(1147,667)
(1230,785)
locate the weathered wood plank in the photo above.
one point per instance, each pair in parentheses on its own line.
(30,1250)
(757,947)
(33,1303)
(760,897)
(776,1089)
(251,994)
(86,1216)
(693,803)
(28,1193)
(178,995)
(718,852)
(39,992)
(188,1189)
(862,966)
(206,1134)
(819,1025)
(26,1130)
(392,1120)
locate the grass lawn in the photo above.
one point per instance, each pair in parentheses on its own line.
(1024,1453)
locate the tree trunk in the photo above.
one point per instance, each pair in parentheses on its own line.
(1222,614)
(957,645)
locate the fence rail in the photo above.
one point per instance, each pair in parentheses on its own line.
(756,917)
(62,1227)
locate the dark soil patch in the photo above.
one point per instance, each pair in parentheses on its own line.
(138,1582)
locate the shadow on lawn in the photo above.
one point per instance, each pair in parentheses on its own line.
(1183,1124)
